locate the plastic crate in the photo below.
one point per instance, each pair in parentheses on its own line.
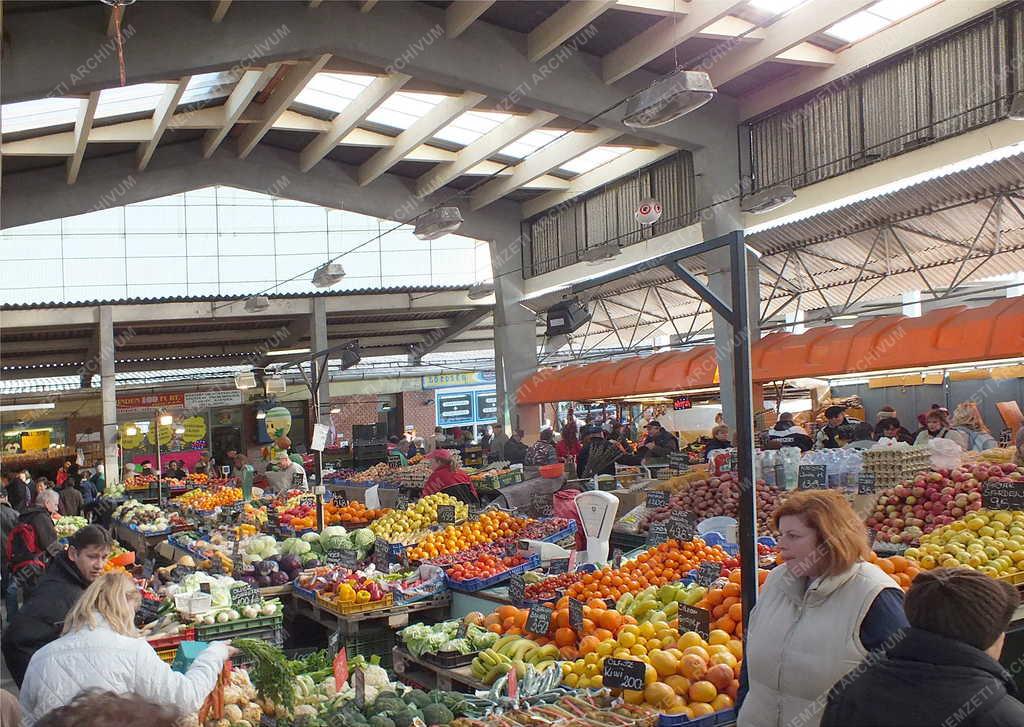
(450,659)
(241,627)
(478,584)
(372,639)
(565,533)
(167,655)
(346,609)
(725,717)
(171,642)
(306,594)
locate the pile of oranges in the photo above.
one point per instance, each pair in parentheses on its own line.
(662,564)
(600,624)
(354,513)
(901,569)
(725,606)
(491,526)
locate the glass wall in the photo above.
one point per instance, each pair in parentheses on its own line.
(221,241)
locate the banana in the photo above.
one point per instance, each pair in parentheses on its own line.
(544,665)
(488,657)
(520,649)
(505,641)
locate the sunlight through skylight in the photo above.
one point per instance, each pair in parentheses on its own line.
(880,15)
(37,114)
(529,143)
(470,126)
(404,108)
(333,91)
(593,159)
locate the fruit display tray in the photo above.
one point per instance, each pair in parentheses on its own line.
(478,584)
(725,717)
(450,659)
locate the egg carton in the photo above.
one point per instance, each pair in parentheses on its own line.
(892,466)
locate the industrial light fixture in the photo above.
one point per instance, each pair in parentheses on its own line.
(275,385)
(335,410)
(600,253)
(131,430)
(166,419)
(328,274)
(288,351)
(666,100)
(245,380)
(26,407)
(480,290)
(179,429)
(257,303)
(768,199)
(846,317)
(438,222)
(566,316)
(261,414)
(1017,107)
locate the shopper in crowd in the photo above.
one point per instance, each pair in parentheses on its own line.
(498,442)
(515,450)
(245,473)
(862,437)
(720,439)
(101,649)
(70,499)
(484,440)
(886,412)
(42,485)
(569,446)
(543,451)
(147,468)
(892,429)
(87,489)
(19,493)
(396,449)
(599,454)
(838,429)
(817,615)
(289,474)
(8,521)
(66,577)
(98,478)
(936,426)
(62,473)
(447,478)
(958,620)
(176,470)
(787,433)
(967,420)
(28,543)
(98,707)
(658,442)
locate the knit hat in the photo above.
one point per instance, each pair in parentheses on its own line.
(961,604)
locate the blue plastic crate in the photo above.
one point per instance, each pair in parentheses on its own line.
(767,540)
(555,537)
(478,584)
(725,717)
(306,594)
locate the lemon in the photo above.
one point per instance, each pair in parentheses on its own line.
(627,639)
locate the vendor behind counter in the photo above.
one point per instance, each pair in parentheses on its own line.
(448,479)
(289,474)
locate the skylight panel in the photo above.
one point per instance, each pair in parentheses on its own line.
(529,143)
(857,26)
(333,91)
(893,10)
(37,114)
(775,7)
(594,158)
(404,108)
(133,99)
(470,126)
(203,86)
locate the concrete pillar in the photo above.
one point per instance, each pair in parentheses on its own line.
(318,339)
(515,337)
(718,178)
(112,470)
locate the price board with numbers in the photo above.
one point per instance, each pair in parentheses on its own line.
(624,674)
(539,620)
(656,499)
(540,504)
(682,525)
(339,499)
(866,483)
(576,614)
(297,479)
(559,565)
(517,588)
(245,595)
(696,619)
(708,573)
(148,611)
(811,477)
(402,503)
(446,514)
(380,555)
(345,558)
(998,495)
(678,462)
(657,533)
(394,460)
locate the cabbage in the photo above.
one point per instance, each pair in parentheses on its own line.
(460,645)
(311,537)
(363,538)
(295,546)
(335,537)
(263,546)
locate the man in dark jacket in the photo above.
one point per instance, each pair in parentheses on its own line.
(19,494)
(943,670)
(786,433)
(41,618)
(71,499)
(659,442)
(838,429)
(514,449)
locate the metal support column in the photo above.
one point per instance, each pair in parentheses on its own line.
(111,467)
(320,390)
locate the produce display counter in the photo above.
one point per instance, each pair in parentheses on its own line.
(137,541)
(396,616)
(427,675)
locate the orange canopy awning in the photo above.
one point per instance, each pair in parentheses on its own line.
(939,337)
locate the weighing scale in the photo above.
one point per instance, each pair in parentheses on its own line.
(597,514)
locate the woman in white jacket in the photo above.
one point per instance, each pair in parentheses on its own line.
(100,649)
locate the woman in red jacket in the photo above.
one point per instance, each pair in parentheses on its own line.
(449,480)
(569,446)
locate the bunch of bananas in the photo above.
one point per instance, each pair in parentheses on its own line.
(512,652)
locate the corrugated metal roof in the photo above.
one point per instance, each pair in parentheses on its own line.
(220,298)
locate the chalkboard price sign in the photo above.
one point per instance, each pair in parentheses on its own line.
(811,477)
(359,685)
(339,499)
(539,620)
(204,587)
(696,619)
(866,483)
(624,674)
(394,460)
(245,595)
(998,495)
(446,514)
(380,555)
(148,611)
(708,573)
(657,534)
(575,614)
(308,501)
(344,558)
(517,588)
(540,503)
(656,499)
(297,479)
(682,526)
(560,565)
(402,503)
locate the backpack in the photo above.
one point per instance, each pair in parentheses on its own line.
(21,544)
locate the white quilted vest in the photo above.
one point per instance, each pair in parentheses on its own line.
(802,639)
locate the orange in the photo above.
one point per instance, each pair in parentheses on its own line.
(610,620)
(521,615)
(507,611)
(720,675)
(603,634)
(587,644)
(702,691)
(736,612)
(569,652)
(700,709)
(726,624)
(692,667)
(565,636)
(680,684)
(722,701)
(886,565)
(660,694)
(899,563)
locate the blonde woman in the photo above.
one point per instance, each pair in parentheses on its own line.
(967,420)
(101,649)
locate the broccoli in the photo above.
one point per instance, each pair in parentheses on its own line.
(380,720)
(404,718)
(437,714)
(417,698)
